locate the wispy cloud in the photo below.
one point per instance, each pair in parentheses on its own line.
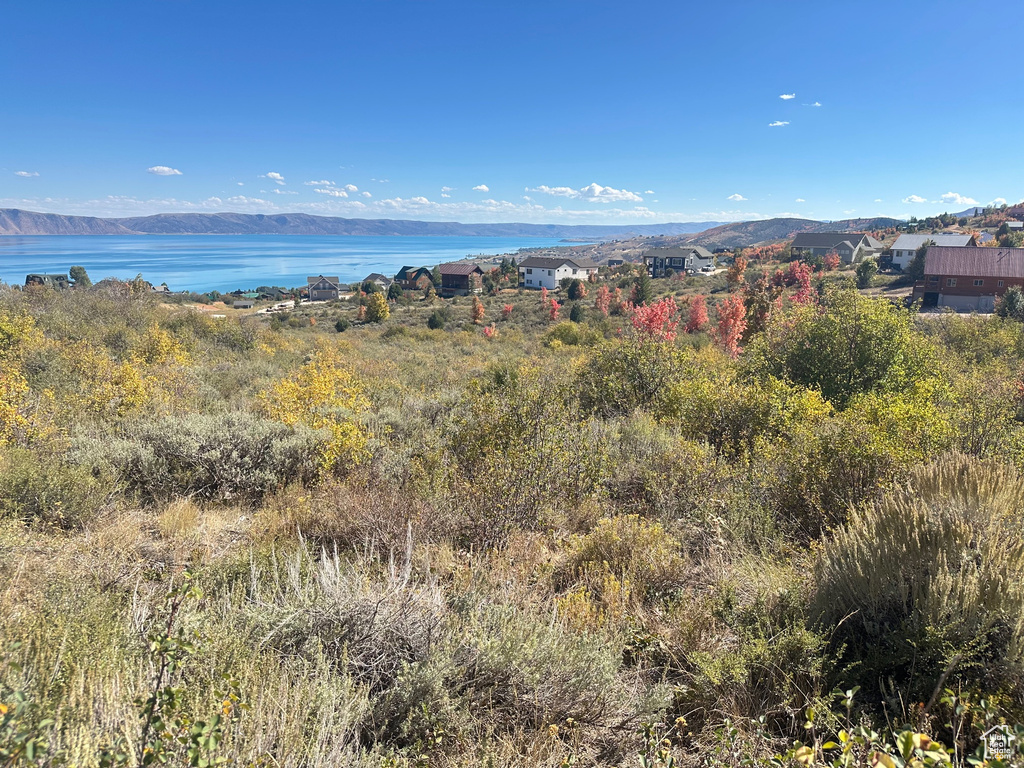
(163,170)
(878,199)
(381,181)
(366,194)
(955,198)
(915,199)
(26,174)
(481,188)
(275,177)
(447,191)
(787,96)
(800,200)
(998,201)
(333,192)
(351,188)
(284,191)
(778,123)
(594,193)
(323,183)
(648,191)
(736,197)
(815,104)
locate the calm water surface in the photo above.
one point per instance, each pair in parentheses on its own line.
(227,262)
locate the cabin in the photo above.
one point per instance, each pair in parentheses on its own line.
(243,304)
(851,247)
(414,278)
(460,278)
(969,279)
(689,259)
(322,288)
(905,247)
(543,272)
(54,281)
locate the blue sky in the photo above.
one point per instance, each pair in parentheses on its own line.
(548,111)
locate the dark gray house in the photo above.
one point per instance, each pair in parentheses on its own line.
(681,258)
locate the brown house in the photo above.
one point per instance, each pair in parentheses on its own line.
(459,278)
(969,279)
(413,278)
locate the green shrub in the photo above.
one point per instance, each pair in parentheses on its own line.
(221,457)
(40,489)
(930,580)
(342,325)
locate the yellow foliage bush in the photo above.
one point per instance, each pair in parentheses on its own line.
(323,394)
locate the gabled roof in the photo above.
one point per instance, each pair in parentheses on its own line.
(975,262)
(544,262)
(679,252)
(459,268)
(832,240)
(318,278)
(377,277)
(411,273)
(913,242)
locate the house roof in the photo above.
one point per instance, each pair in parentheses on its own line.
(543,262)
(913,242)
(679,252)
(459,268)
(377,277)
(975,262)
(318,278)
(832,240)
(411,273)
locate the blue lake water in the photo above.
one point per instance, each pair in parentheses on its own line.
(227,262)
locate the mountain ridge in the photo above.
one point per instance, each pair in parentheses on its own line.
(15,221)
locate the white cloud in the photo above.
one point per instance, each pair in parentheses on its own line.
(241,184)
(914,199)
(163,170)
(800,200)
(26,174)
(649,192)
(736,198)
(594,193)
(275,177)
(324,183)
(446,191)
(332,192)
(351,188)
(366,194)
(778,123)
(878,199)
(481,188)
(787,96)
(381,181)
(955,198)
(445,194)
(815,104)
(284,192)
(997,202)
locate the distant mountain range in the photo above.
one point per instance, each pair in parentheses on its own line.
(18,222)
(746,233)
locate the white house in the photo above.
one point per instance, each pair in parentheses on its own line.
(540,272)
(905,247)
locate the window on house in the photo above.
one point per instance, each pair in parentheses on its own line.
(950,282)
(979,282)
(549,273)
(677,262)
(933,278)
(529,271)
(999,284)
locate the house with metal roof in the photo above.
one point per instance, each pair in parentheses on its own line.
(459,278)
(851,247)
(545,272)
(905,247)
(688,259)
(967,278)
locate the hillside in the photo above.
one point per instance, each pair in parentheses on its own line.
(747,233)
(17,222)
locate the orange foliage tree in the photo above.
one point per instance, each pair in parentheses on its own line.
(732,322)
(735,274)
(656,321)
(477,310)
(698,314)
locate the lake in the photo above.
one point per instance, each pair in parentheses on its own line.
(227,262)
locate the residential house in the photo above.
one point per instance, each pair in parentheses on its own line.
(459,278)
(414,278)
(681,258)
(243,304)
(905,247)
(54,281)
(851,247)
(322,288)
(162,289)
(382,282)
(613,263)
(543,272)
(1011,224)
(967,278)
